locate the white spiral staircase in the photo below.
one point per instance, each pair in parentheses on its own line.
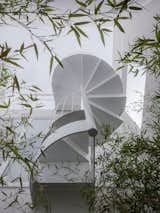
(88,94)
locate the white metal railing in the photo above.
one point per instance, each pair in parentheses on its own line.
(68,104)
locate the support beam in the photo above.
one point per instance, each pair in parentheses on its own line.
(76,148)
(92,74)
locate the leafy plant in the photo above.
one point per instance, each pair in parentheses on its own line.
(25,14)
(144,52)
(128,166)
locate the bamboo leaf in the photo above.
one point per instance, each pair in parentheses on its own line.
(10,130)
(82,4)
(106,30)
(82,23)
(5,53)
(135,8)
(36,50)
(116,23)
(75,15)
(21,182)
(53,24)
(16,83)
(110,3)
(103,20)
(13,202)
(51,64)
(157,33)
(101,34)
(8,60)
(77,35)
(2,182)
(5,105)
(5,194)
(58,61)
(33,98)
(26,105)
(22,98)
(89,2)
(98,7)
(36,88)
(120,67)
(81,32)
(43,153)
(21,48)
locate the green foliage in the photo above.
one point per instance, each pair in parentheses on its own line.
(145,52)
(25,14)
(14,141)
(128,177)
